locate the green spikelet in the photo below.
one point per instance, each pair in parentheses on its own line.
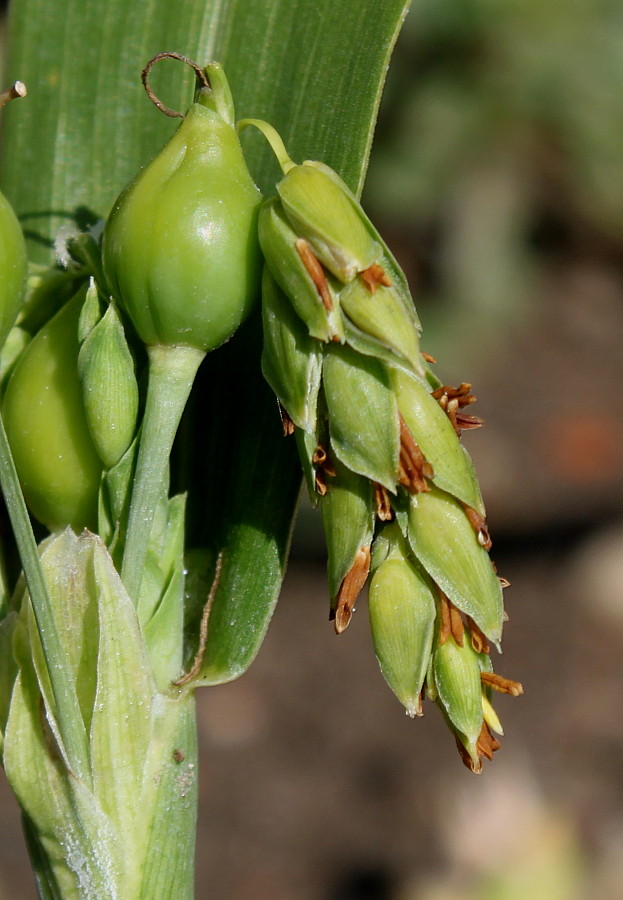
(379,439)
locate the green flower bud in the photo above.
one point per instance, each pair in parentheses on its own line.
(299,274)
(44,416)
(381,316)
(348,517)
(180,247)
(291,360)
(445,543)
(91,312)
(109,387)
(12,268)
(457,680)
(322,210)
(434,433)
(363,414)
(402,619)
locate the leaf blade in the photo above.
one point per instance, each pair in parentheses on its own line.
(95,128)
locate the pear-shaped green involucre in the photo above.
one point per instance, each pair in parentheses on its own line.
(43,411)
(180,247)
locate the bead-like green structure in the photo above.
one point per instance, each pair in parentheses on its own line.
(181,256)
(58,466)
(180,247)
(12,268)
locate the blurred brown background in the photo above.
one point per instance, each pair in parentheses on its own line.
(497,177)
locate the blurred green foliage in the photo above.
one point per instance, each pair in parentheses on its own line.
(499,145)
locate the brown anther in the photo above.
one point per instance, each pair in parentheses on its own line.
(451,621)
(320,483)
(382,502)
(479,524)
(316,272)
(375,275)
(440,392)
(350,588)
(286,422)
(501,685)
(456,624)
(445,628)
(504,582)
(414,467)
(463,422)
(419,705)
(479,642)
(452,400)
(324,469)
(452,407)
(476,767)
(320,456)
(428,357)
(462,393)
(487,744)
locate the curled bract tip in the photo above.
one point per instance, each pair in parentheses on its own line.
(170,54)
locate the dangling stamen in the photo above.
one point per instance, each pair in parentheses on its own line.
(351,587)
(479,524)
(316,272)
(384,511)
(286,422)
(324,469)
(479,642)
(502,685)
(414,467)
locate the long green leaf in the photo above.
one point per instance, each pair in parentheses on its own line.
(315,69)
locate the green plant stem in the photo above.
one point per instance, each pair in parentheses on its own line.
(67,711)
(274,139)
(172,370)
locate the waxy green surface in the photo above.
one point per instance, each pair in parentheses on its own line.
(43,412)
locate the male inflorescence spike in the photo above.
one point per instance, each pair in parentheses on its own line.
(379,440)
